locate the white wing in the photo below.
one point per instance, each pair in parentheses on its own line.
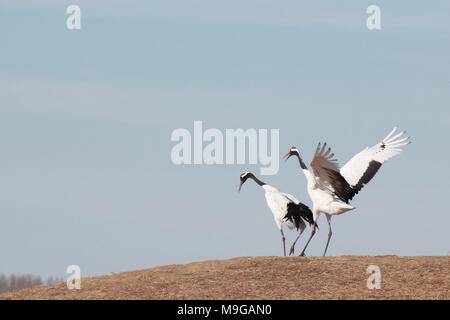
(363,166)
(328,177)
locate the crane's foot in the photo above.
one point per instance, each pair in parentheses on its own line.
(292,252)
(302,254)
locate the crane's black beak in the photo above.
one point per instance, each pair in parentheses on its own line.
(240,186)
(287,156)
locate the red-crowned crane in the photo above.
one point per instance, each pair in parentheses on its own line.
(331,188)
(285,209)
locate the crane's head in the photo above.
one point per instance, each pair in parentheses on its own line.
(243,177)
(293,151)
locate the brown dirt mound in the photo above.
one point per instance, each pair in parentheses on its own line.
(266,278)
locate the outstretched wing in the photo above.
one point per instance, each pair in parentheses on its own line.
(363,166)
(327,174)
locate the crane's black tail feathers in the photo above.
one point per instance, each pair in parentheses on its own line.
(298,213)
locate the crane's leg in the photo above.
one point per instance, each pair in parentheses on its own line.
(330,233)
(284,241)
(295,242)
(313,232)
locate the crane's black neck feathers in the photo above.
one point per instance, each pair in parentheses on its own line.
(302,164)
(259,182)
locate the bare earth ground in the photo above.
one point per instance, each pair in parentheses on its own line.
(266,278)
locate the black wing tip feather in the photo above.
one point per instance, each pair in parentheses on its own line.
(296,213)
(342,189)
(371,171)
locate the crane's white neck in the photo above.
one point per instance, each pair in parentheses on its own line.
(269,188)
(309,176)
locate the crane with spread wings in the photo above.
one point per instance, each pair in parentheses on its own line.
(331,188)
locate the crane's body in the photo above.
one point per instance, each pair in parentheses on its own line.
(286,209)
(323,200)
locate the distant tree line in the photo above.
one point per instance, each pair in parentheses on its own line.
(15,282)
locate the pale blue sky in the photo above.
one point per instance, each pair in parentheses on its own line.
(86,118)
